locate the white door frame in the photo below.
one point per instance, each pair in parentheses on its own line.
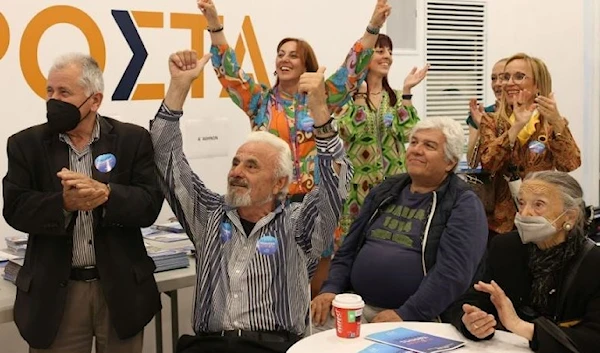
(591,102)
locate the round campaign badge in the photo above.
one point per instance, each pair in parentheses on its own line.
(105,162)
(305,122)
(226,231)
(267,245)
(537,146)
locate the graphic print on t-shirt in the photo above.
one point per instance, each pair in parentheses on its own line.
(403,223)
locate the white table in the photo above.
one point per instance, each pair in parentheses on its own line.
(327,341)
(168,283)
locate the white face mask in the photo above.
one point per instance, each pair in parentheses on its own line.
(533,229)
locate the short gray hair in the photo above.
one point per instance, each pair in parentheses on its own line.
(91,78)
(284,157)
(455,136)
(570,192)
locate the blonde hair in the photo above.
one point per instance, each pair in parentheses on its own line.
(541,78)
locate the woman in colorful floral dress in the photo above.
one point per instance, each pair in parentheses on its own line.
(375,127)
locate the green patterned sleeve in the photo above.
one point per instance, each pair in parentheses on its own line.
(406,117)
(349,118)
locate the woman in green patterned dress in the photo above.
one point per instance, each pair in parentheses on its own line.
(375,126)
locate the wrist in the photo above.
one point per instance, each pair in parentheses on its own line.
(215,28)
(360,96)
(375,25)
(181,83)
(213,22)
(406,90)
(523,328)
(373,29)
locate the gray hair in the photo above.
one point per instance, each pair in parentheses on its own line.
(284,157)
(570,193)
(91,78)
(455,136)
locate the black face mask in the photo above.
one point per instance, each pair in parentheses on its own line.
(62,116)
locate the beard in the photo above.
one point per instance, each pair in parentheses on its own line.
(236,199)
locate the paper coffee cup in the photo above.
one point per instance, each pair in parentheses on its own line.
(348,311)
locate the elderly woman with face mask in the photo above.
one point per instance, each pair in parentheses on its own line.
(541,282)
(526,133)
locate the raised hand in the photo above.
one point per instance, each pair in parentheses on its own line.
(479,323)
(476,110)
(313,85)
(504,306)
(522,110)
(547,107)
(380,14)
(208,9)
(184,65)
(414,77)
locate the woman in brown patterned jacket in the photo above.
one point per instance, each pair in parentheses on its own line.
(526,134)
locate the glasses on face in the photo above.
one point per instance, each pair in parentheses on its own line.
(517,77)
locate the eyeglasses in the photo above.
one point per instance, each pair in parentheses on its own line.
(517,77)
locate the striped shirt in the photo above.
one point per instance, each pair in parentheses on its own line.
(240,284)
(83,233)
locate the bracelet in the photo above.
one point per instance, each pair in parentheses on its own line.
(215,30)
(327,122)
(373,30)
(407,96)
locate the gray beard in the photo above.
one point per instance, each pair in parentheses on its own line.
(235,200)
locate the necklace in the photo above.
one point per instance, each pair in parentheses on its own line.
(375,93)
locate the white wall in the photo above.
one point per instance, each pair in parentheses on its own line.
(562,33)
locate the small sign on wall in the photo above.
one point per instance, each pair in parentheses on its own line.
(205,138)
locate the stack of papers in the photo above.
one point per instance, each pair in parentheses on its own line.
(165,237)
(173,227)
(402,340)
(17,244)
(168,245)
(11,270)
(167,259)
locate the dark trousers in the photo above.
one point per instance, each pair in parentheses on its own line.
(218,344)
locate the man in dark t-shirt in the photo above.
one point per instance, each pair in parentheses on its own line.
(418,242)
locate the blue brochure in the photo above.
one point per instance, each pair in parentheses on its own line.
(414,341)
(382,348)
